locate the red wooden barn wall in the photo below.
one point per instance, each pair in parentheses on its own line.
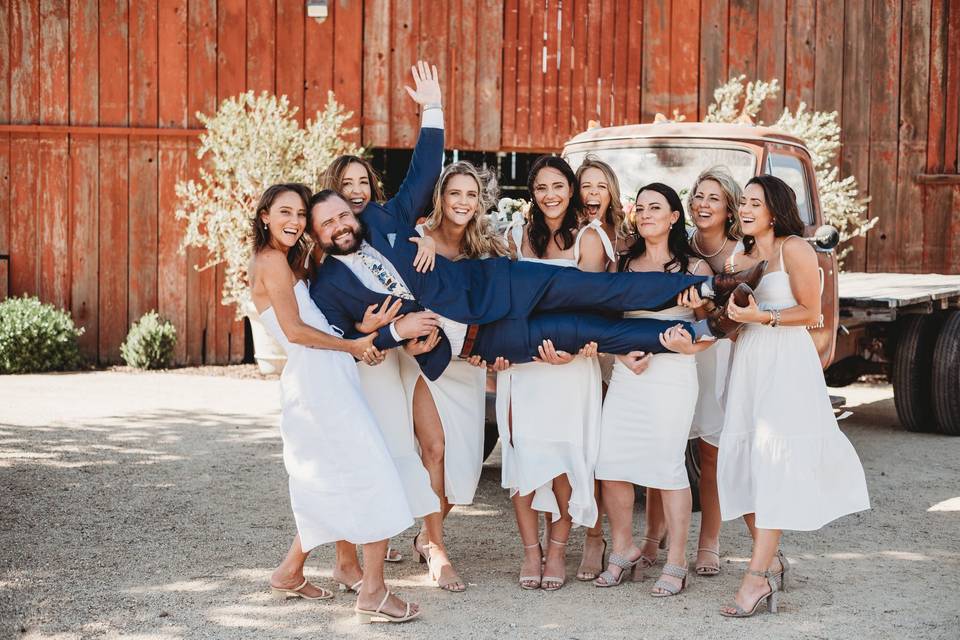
(98,99)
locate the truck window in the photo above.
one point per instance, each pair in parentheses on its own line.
(789,168)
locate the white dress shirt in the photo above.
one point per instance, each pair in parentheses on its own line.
(456,332)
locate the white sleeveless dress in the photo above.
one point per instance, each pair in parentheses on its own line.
(555,412)
(782,455)
(713,373)
(343,483)
(460,395)
(646,417)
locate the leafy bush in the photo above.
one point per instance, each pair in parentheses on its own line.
(36,337)
(150,343)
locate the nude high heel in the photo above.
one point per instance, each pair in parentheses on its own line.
(772,598)
(531,583)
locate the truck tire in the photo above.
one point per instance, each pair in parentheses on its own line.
(946,377)
(911,371)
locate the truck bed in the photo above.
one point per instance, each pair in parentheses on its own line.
(882,296)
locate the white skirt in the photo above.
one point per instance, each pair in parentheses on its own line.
(713,373)
(555,413)
(782,455)
(646,423)
(383,388)
(460,397)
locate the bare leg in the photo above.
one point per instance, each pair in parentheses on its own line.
(677,504)
(752,587)
(750,520)
(654,528)
(289,575)
(346,569)
(374,588)
(591,563)
(708,563)
(618,504)
(429,431)
(528,522)
(556,564)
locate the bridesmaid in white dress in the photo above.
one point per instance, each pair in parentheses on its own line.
(448,413)
(343,484)
(784,463)
(647,415)
(354,178)
(549,446)
(600,194)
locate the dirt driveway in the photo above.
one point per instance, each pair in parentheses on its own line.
(155,505)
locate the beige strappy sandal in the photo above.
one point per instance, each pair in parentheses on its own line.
(607,579)
(664,589)
(282,594)
(531,583)
(585,573)
(772,598)
(447,584)
(355,587)
(784,570)
(708,569)
(365,616)
(559,581)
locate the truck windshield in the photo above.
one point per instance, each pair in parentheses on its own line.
(675,165)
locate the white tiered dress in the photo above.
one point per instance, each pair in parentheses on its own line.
(460,395)
(646,417)
(343,483)
(555,412)
(782,455)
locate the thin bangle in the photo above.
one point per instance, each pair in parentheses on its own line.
(432,105)
(772,319)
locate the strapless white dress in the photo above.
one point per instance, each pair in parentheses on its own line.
(343,483)
(782,454)
(646,417)
(555,413)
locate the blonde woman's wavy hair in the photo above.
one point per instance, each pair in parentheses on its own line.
(480,239)
(614,216)
(731,192)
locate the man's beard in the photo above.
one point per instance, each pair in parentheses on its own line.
(333,249)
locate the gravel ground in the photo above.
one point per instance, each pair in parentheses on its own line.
(155,506)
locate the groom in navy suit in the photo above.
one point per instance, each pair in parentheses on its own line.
(493,307)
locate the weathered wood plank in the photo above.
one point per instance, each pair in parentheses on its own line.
(801,39)
(828,50)
(114,179)
(882,242)
(546,125)
(261,56)
(172,162)
(144,105)
(952,262)
(526,66)
(771,54)
(510,70)
(53,175)
(202,97)
(319,62)
(581,54)
(896,289)
(84,176)
(936,113)
(290,55)
(913,91)
(4,145)
(348,61)
(403,112)
(24,108)
(685,60)
(595,37)
(951,161)
(713,50)
(855,135)
(657,36)
(376,73)
(742,38)
(537,48)
(488,89)
(620,50)
(608,51)
(634,60)
(467,51)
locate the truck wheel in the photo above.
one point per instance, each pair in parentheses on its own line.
(911,372)
(946,377)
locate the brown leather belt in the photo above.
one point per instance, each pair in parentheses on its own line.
(468,341)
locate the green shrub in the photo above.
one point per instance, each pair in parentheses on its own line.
(36,337)
(150,343)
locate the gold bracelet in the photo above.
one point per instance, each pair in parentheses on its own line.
(772,319)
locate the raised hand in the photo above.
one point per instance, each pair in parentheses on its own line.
(375,317)
(417,347)
(427,84)
(551,355)
(426,256)
(417,324)
(636,361)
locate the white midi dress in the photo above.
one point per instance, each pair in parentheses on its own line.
(382,385)
(555,411)
(646,417)
(343,482)
(782,454)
